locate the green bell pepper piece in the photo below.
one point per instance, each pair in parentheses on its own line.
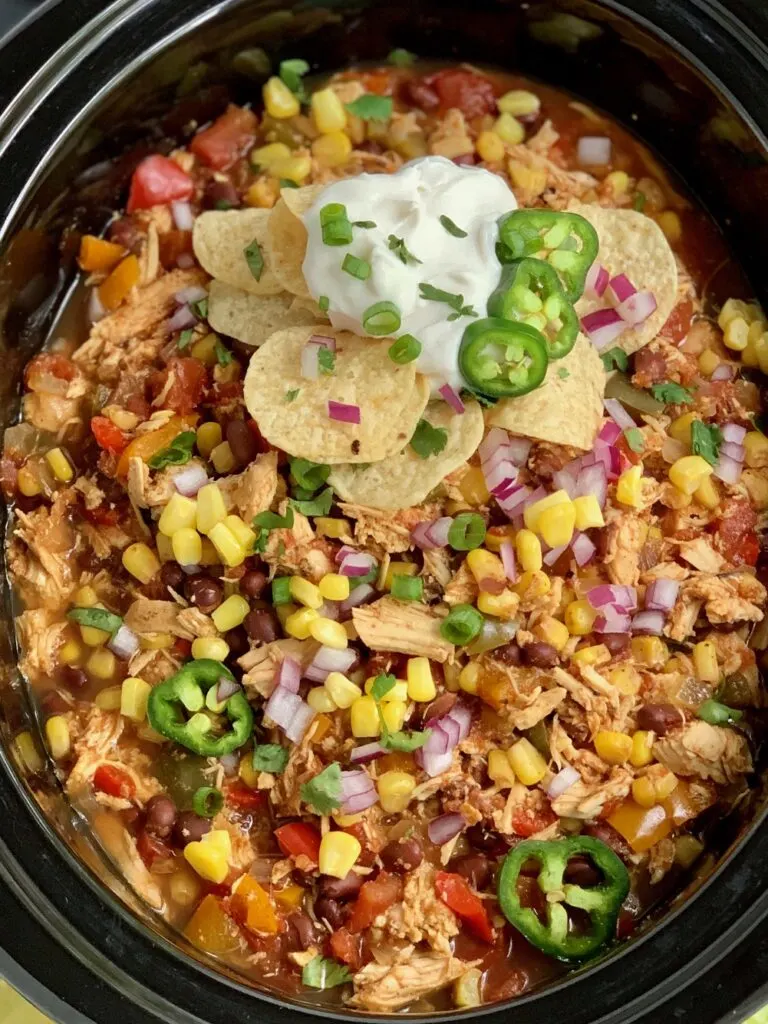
(530,292)
(601,902)
(185,692)
(501,358)
(565,240)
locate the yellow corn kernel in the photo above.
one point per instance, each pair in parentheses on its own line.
(320,700)
(556,524)
(626,679)
(265,156)
(688,473)
(336,528)
(509,129)
(343,691)
(242,533)
(187,545)
(528,549)
(628,490)
(230,613)
(580,617)
(650,651)
(223,459)
(93,637)
(473,487)
(211,508)
(395,789)
(736,334)
(297,624)
(680,428)
(27,482)
(485,565)
(101,664)
(284,612)
(642,748)
(665,784)
(109,699)
(527,763)
(708,362)
(469,678)
(531,179)
(750,355)
(393,713)
(708,493)
(210,856)
(399,569)
(328,111)
(208,437)
(502,606)
(644,792)
(421,685)
(204,349)
(328,633)
(71,653)
(332,150)
(164,547)
(134,695)
(230,550)
(533,584)
(669,222)
(613,747)
(295,169)
(58,737)
(705,662)
(617,182)
(364,718)
(756,449)
(279,100)
(398,692)
(213,647)
(59,465)
(731,309)
(156,641)
(597,654)
(533,512)
(497,535)
(520,102)
(185,888)
(27,752)
(141,562)
(179,514)
(306,593)
(500,770)
(334,587)
(552,631)
(588,513)
(490,147)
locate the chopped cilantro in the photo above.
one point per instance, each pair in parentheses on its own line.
(401,58)
(406,742)
(382,684)
(456,302)
(254,259)
(671,393)
(428,440)
(563,374)
(306,475)
(322,972)
(326,360)
(634,438)
(319,506)
(363,223)
(185,339)
(291,395)
(270,757)
(264,522)
(451,228)
(323,303)
(323,792)
(400,249)
(292,71)
(371,108)
(287,183)
(223,355)
(178,452)
(706,439)
(615,359)
(200,308)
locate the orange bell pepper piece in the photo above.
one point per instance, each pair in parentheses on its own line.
(98,254)
(644,827)
(146,445)
(252,905)
(290,897)
(322,728)
(117,286)
(211,929)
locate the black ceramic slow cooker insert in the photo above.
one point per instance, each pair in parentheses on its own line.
(83,83)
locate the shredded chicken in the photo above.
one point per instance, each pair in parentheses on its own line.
(389,625)
(586,800)
(463,588)
(625,536)
(298,550)
(735,597)
(41,634)
(706,751)
(261,663)
(146,616)
(121,846)
(40,556)
(422,916)
(701,555)
(386,529)
(253,490)
(382,988)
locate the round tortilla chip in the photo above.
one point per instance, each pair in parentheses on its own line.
(565,409)
(635,245)
(286,241)
(391,398)
(253,318)
(219,240)
(405,479)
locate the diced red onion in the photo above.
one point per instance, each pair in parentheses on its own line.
(622,596)
(593,480)
(344,550)
(226,688)
(420,536)
(194,293)
(565,778)
(594,151)
(452,397)
(648,622)
(124,643)
(432,763)
(553,554)
(519,449)
(438,531)
(444,734)
(302,719)
(609,455)
(733,451)
(285,708)
(360,801)
(343,412)
(328,660)
(502,494)
(441,830)
(502,454)
(185,261)
(602,327)
(733,433)
(357,596)
(610,432)
(358,563)
(189,481)
(515,500)
(583,549)
(182,214)
(727,469)
(323,341)
(230,763)
(182,319)
(637,308)
(620,288)
(596,282)
(507,553)
(288,675)
(499,479)
(725,371)
(310,366)
(368,752)
(618,413)
(96,310)
(329,610)
(462,715)
(661,595)
(565,481)
(612,620)
(495,438)
(354,782)
(535,496)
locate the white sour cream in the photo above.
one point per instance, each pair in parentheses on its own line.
(408,205)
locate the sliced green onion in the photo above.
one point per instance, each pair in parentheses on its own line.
(335,225)
(462,624)
(407,588)
(715,713)
(356,267)
(405,349)
(207,801)
(281,590)
(324,302)
(381,318)
(98,618)
(467,531)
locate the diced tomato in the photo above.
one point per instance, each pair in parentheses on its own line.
(187,385)
(227,138)
(631,457)
(456,894)
(736,536)
(380,81)
(347,948)
(527,821)
(109,436)
(48,364)
(243,798)
(472,94)
(374,898)
(102,515)
(679,321)
(182,648)
(299,838)
(113,781)
(157,181)
(152,848)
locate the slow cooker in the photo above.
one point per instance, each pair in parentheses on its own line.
(84,88)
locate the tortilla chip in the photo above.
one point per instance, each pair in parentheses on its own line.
(565,409)
(220,238)
(391,398)
(286,242)
(252,318)
(405,479)
(635,245)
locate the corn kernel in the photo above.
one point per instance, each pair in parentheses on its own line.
(502,606)
(588,512)
(213,647)
(27,482)
(628,489)
(680,428)
(204,349)
(343,691)
(295,169)
(398,692)
(134,695)
(617,182)
(421,685)
(279,100)
(490,147)
(755,449)
(551,631)
(101,664)
(164,548)
(626,679)
(644,792)
(532,179)
(527,763)
(469,677)
(650,651)
(336,528)
(613,747)
(399,569)
(334,587)
(247,772)
(533,584)
(185,888)
(242,533)
(497,535)
(320,700)
(93,637)
(533,512)
(211,508)
(528,549)
(284,612)
(705,662)
(141,562)
(688,473)
(731,309)
(179,514)
(230,550)
(708,362)
(58,737)
(393,713)
(665,785)
(70,653)
(484,565)
(364,718)
(208,437)
(642,748)
(27,752)
(306,593)
(580,617)
(500,770)
(209,857)
(223,459)
(556,524)
(328,111)
(598,654)
(669,222)
(395,789)
(473,487)
(708,493)
(749,355)
(297,624)
(736,335)
(230,613)
(187,546)
(332,150)
(264,157)
(156,641)
(109,699)
(59,465)
(328,633)
(509,129)
(520,102)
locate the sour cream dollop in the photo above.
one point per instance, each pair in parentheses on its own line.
(408,205)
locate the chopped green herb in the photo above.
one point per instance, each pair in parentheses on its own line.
(400,249)
(456,302)
(287,183)
(223,355)
(706,440)
(178,452)
(406,742)
(615,359)
(563,374)
(185,339)
(405,349)
(428,440)
(291,395)
(363,223)
(634,438)
(382,684)
(323,793)
(326,360)
(401,58)
(371,108)
(264,522)
(335,225)
(355,267)
(254,259)
(323,303)
(638,203)
(407,588)
(451,228)
(309,476)
(322,972)
(671,393)
(98,618)
(200,308)
(270,757)
(292,71)
(319,506)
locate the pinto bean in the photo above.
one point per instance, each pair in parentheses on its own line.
(659,718)
(540,655)
(402,855)
(440,706)
(341,889)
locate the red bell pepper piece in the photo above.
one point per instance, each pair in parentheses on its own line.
(456,894)
(113,781)
(108,436)
(299,838)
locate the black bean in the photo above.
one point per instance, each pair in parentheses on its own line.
(485,839)
(418,94)
(402,855)
(126,232)
(253,583)
(262,625)
(241,441)
(190,828)
(581,871)
(220,195)
(617,643)
(172,575)
(301,930)
(204,592)
(238,642)
(510,654)
(607,834)
(329,910)
(659,718)
(73,678)
(540,655)
(475,867)
(341,889)
(440,706)
(161,816)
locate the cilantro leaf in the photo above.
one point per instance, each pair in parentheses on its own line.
(363,223)
(615,359)
(185,339)
(223,355)
(254,259)
(634,438)
(326,360)
(401,58)
(563,374)
(270,757)
(319,506)
(323,793)
(200,308)
(406,742)
(287,183)
(451,228)
(178,452)
(292,71)
(291,395)
(671,393)
(428,440)
(306,475)
(264,522)
(322,972)
(400,249)
(456,302)
(382,684)
(706,439)
(323,303)
(371,108)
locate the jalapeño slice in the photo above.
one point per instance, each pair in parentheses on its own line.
(530,292)
(501,358)
(566,241)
